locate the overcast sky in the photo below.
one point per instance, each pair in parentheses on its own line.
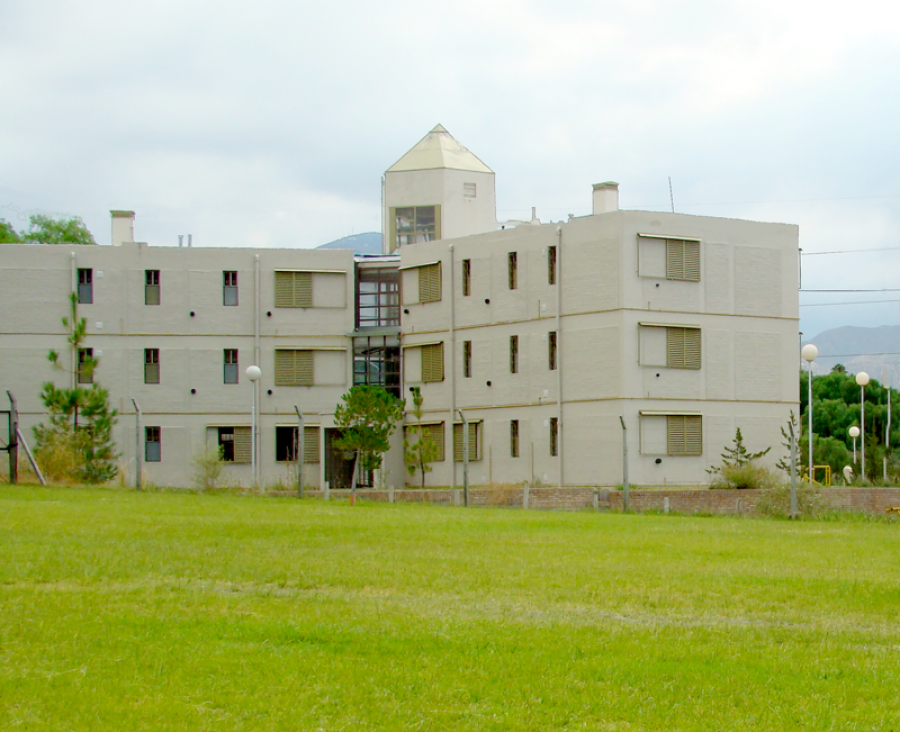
(270,123)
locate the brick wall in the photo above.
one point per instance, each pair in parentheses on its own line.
(717,502)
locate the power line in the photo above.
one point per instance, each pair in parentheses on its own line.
(843,355)
(883,289)
(850,251)
(856,302)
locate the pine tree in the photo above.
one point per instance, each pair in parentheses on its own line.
(81,419)
(791,428)
(422,451)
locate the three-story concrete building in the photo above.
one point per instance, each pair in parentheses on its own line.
(547,338)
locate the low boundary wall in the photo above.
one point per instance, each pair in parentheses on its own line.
(728,502)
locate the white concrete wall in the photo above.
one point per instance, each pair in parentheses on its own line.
(191,327)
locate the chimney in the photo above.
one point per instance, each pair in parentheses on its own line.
(606,197)
(122,227)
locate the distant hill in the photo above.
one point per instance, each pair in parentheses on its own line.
(368,243)
(872,350)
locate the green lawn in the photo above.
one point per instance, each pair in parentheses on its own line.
(165,611)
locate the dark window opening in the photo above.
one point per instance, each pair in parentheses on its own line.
(551,265)
(513,270)
(514,354)
(514,438)
(466,277)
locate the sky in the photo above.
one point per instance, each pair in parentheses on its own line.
(270,124)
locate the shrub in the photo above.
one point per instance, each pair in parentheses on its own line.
(60,456)
(208,467)
(747,475)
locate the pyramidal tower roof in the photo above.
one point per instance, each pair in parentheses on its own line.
(439,149)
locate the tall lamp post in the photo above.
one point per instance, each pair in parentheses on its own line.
(854,433)
(862,378)
(253,373)
(809,354)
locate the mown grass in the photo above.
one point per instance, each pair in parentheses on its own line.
(154,611)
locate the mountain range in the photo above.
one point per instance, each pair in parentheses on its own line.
(873,350)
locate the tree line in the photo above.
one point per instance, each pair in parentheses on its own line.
(836,408)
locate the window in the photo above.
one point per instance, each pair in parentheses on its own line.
(235,445)
(671,434)
(551,265)
(85,373)
(434,432)
(229,288)
(430,283)
(415,225)
(151,287)
(231,365)
(474,441)
(378,298)
(551,349)
(467,359)
(668,258)
(151,365)
(153,444)
(433,362)
(466,277)
(286,444)
(514,354)
(514,438)
(684,434)
(294,367)
(554,436)
(513,267)
(293,290)
(683,348)
(469,190)
(85,286)
(376,361)
(682,260)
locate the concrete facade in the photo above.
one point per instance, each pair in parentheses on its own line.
(543,335)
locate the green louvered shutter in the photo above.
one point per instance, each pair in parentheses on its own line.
(682,260)
(242,445)
(310,444)
(683,348)
(433,362)
(458,442)
(293,290)
(294,367)
(430,283)
(684,434)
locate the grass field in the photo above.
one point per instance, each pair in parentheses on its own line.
(163,611)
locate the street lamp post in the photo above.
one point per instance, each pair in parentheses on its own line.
(854,433)
(862,378)
(253,373)
(809,353)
